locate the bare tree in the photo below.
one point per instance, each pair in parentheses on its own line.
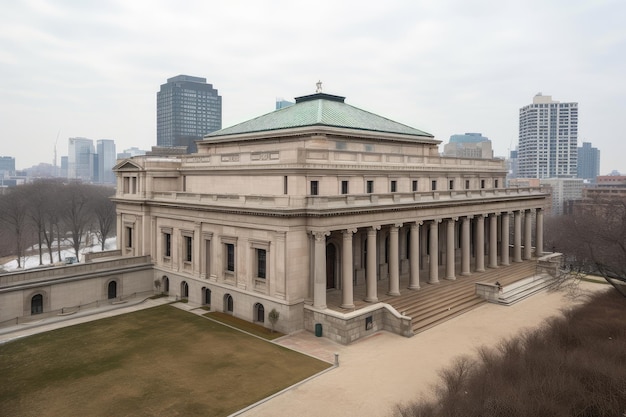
(77,214)
(593,240)
(13,213)
(104,213)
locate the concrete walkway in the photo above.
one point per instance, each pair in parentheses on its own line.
(375,373)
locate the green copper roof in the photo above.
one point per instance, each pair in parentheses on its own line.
(320,110)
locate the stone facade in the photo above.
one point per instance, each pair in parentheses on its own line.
(276,212)
(38,293)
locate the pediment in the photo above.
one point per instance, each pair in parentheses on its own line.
(127,165)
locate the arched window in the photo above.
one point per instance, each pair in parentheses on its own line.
(259,313)
(206,296)
(36,304)
(228,303)
(184,290)
(112,290)
(166,284)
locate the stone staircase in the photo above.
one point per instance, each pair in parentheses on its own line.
(436,303)
(524,288)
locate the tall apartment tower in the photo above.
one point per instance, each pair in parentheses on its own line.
(80,159)
(106,157)
(588,162)
(187,109)
(548,139)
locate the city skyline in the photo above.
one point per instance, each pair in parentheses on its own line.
(73,70)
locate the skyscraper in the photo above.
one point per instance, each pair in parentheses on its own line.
(187,109)
(80,159)
(106,160)
(588,162)
(548,139)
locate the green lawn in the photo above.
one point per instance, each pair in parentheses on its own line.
(156,362)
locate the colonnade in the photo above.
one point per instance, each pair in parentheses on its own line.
(472,239)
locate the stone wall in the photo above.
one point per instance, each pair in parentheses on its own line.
(349,327)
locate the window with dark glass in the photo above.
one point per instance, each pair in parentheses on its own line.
(230,257)
(414,185)
(129,237)
(482,183)
(467,184)
(344,187)
(370,187)
(394,186)
(261,263)
(433,185)
(167,244)
(451,185)
(314,187)
(188,248)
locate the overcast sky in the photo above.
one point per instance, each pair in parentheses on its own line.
(78,68)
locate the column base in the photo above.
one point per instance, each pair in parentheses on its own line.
(322,307)
(453,278)
(347,306)
(493,266)
(371,299)
(466,274)
(434,282)
(414,287)
(480,270)
(393,293)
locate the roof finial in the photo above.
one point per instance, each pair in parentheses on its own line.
(319,87)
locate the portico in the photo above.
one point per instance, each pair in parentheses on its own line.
(372,253)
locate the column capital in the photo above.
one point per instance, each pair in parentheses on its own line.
(374,228)
(469,217)
(349,232)
(398,225)
(454,219)
(417,223)
(436,221)
(320,235)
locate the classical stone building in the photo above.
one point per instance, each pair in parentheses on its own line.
(318,198)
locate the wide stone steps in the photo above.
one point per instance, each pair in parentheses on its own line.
(433,304)
(524,288)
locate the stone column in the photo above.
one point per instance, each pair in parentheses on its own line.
(480,243)
(539,233)
(319,269)
(371,294)
(414,258)
(433,251)
(465,246)
(528,246)
(347,270)
(517,236)
(394,264)
(504,258)
(450,256)
(493,240)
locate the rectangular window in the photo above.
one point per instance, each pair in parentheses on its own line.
(451,185)
(344,187)
(496,184)
(414,185)
(126,185)
(482,183)
(433,185)
(129,237)
(467,184)
(230,257)
(188,248)
(370,187)
(167,244)
(261,264)
(285,184)
(394,186)
(314,187)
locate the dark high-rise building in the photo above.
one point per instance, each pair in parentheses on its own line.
(548,139)
(106,160)
(187,109)
(588,162)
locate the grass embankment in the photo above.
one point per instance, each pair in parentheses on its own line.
(156,362)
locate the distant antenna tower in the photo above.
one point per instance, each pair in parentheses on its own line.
(54,161)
